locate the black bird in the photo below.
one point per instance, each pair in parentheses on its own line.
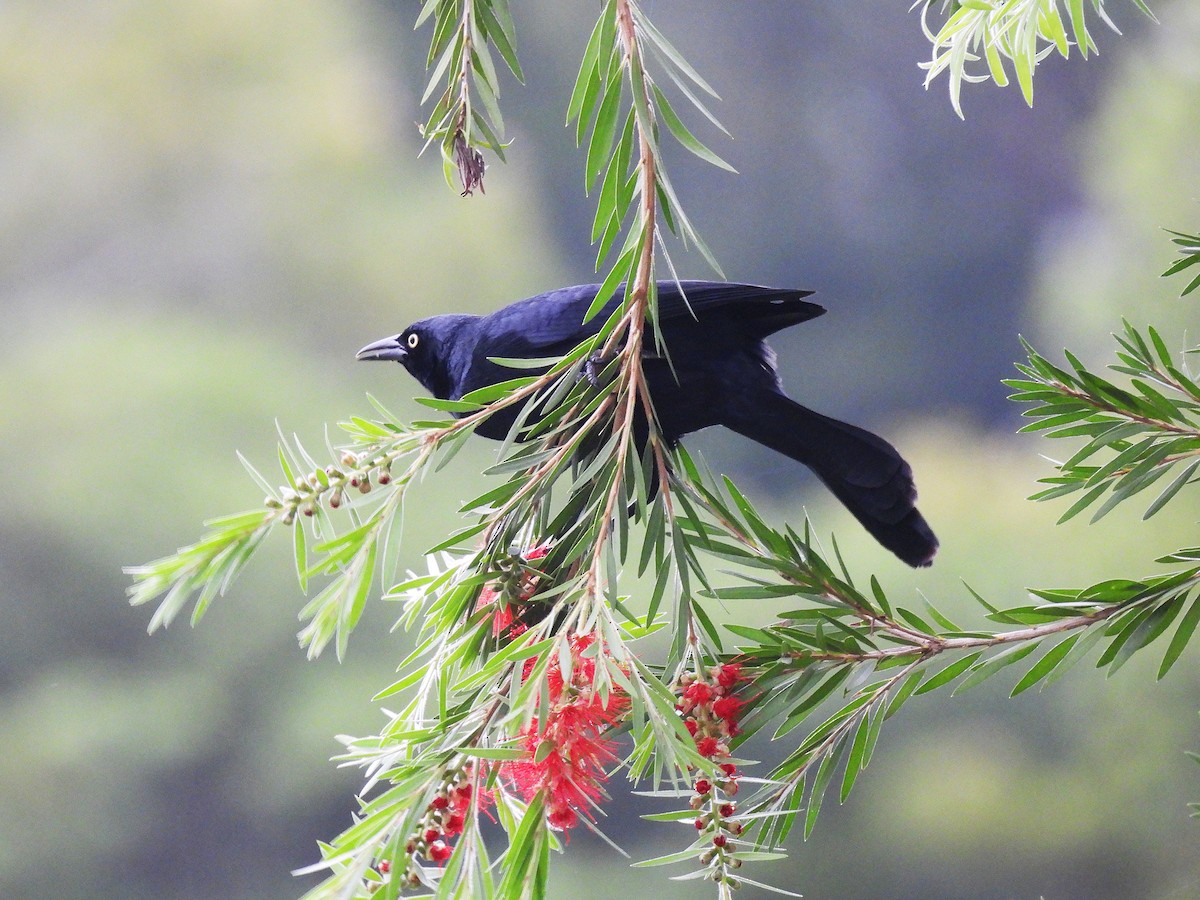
(721,372)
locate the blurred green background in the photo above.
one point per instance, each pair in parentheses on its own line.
(205,209)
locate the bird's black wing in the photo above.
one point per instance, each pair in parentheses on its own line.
(554,321)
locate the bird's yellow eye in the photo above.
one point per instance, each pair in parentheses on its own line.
(413,340)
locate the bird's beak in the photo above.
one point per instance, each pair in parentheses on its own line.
(389,348)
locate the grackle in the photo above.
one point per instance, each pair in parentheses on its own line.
(720,372)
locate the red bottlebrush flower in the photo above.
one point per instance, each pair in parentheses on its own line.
(729,675)
(697,693)
(719,840)
(729,769)
(703,786)
(569,776)
(454,825)
(439,852)
(439,802)
(562,818)
(431,835)
(691,725)
(728,709)
(727,810)
(707,746)
(504,621)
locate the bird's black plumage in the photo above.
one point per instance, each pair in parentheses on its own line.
(721,372)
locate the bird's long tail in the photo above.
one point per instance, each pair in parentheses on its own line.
(862,469)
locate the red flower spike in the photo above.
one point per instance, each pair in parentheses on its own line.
(562,818)
(707,746)
(697,693)
(569,775)
(730,674)
(727,709)
(454,825)
(431,835)
(439,852)
(502,621)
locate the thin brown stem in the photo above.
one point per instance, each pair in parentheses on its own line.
(929,645)
(1101,406)
(631,380)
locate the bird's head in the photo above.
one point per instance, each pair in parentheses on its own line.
(425,349)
